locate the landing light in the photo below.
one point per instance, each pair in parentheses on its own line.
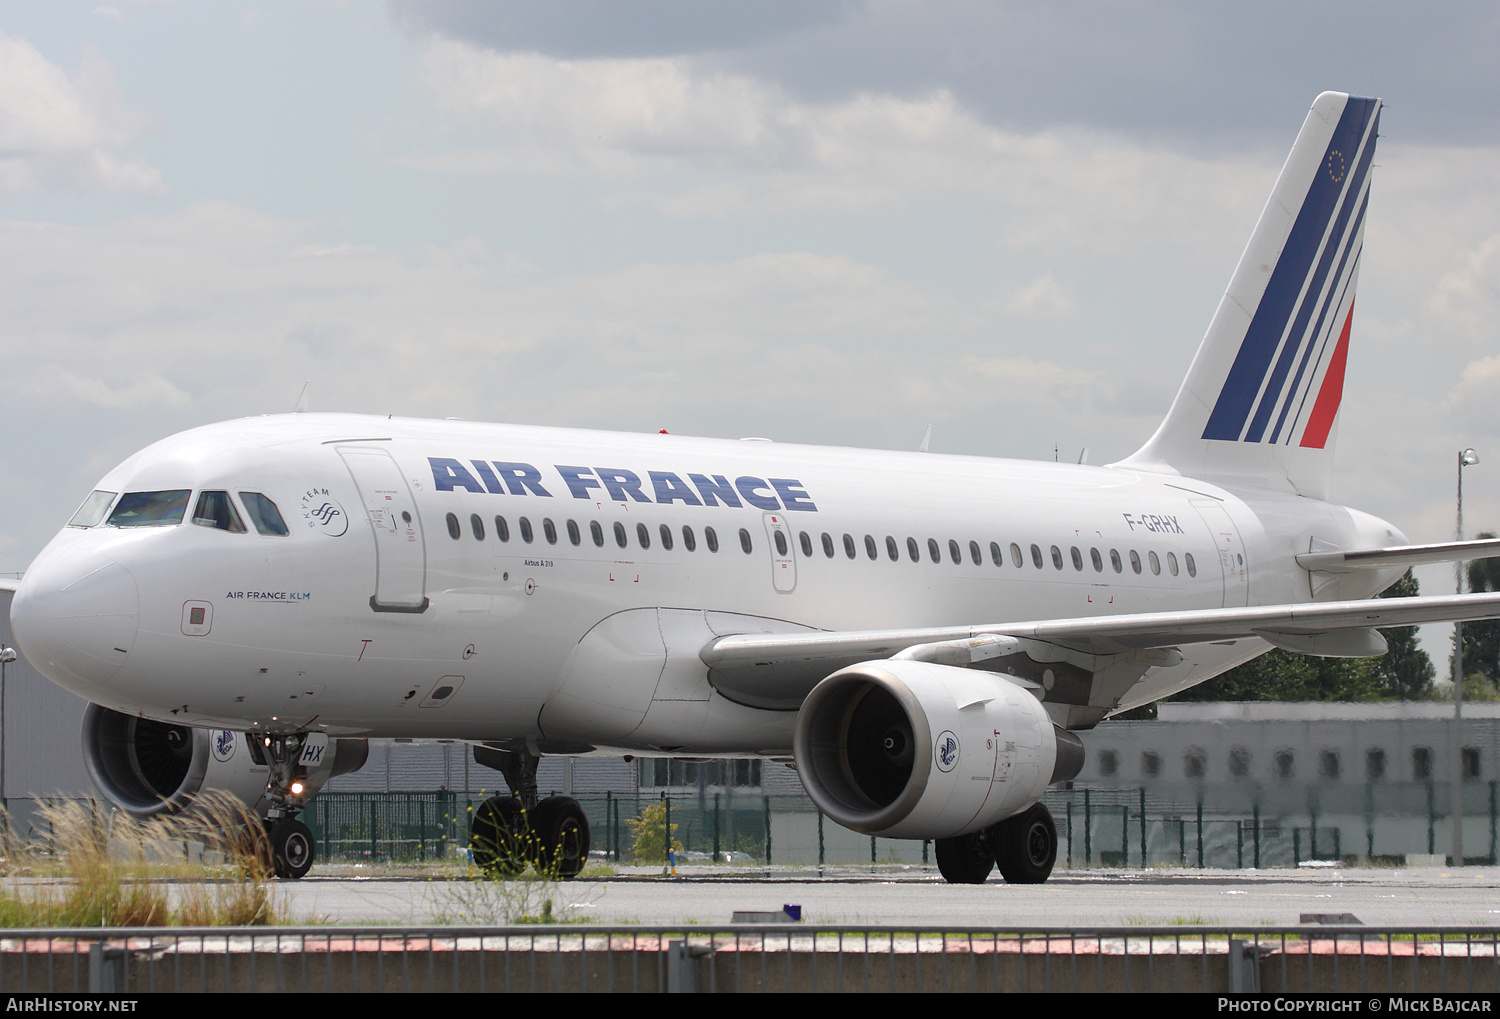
(296,788)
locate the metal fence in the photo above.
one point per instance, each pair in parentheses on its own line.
(1096,826)
(750,958)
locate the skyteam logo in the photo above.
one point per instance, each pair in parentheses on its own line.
(946,750)
(324,513)
(223,745)
(1287,380)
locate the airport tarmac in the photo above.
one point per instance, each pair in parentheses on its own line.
(1467,896)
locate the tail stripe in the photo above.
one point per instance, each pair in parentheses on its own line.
(1327,314)
(1320,338)
(1333,194)
(1331,394)
(1340,243)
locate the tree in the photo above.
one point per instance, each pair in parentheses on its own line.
(1482,636)
(1405,672)
(650,834)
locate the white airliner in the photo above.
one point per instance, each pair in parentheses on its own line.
(923,634)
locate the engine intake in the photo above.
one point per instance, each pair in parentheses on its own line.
(146,767)
(910,749)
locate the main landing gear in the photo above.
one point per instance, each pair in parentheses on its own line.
(291,841)
(510,833)
(1025,847)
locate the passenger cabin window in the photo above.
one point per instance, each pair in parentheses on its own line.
(1015,555)
(476,524)
(954,553)
(263,514)
(870,549)
(597,533)
(849,545)
(549,529)
(996,555)
(150,509)
(620,538)
(711,537)
(1077,557)
(453,529)
(933,552)
(975,554)
(502,529)
(666,537)
(1192,567)
(1155,564)
(805,540)
(1115,564)
(781,546)
(93,509)
(892,550)
(746,545)
(689,542)
(526,532)
(1135,561)
(1172,563)
(643,535)
(575,536)
(215,510)
(1098,560)
(827,545)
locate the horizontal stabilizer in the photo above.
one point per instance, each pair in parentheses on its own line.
(1339,561)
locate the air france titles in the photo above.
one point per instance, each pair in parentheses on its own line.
(615,484)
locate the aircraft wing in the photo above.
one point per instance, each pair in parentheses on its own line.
(9,583)
(780,668)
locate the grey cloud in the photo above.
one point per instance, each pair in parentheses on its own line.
(615,28)
(1180,72)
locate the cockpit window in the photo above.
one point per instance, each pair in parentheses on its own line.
(215,510)
(93,509)
(150,509)
(263,514)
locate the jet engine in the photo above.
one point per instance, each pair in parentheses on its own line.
(146,767)
(910,749)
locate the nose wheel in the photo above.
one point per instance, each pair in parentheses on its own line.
(291,841)
(291,848)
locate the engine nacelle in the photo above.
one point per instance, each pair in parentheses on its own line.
(908,749)
(146,767)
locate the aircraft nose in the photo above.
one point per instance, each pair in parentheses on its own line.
(74,617)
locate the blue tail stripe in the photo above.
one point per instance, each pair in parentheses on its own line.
(1301,339)
(1263,336)
(1332,303)
(1338,243)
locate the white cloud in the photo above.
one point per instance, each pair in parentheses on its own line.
(705,144)
(58,131)
(1042,298)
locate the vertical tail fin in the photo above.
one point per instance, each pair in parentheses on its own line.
(1259,406)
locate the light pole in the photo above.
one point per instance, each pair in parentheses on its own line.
(7,655)
(1466,458)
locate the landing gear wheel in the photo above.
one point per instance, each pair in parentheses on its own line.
(966,859)
(1026,846)
(291,848)
(561,830)
(499,838)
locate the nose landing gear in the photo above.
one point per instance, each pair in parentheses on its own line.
(291,841)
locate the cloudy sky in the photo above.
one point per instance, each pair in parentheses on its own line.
(826,222)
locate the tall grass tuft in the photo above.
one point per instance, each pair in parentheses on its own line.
(104,868)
